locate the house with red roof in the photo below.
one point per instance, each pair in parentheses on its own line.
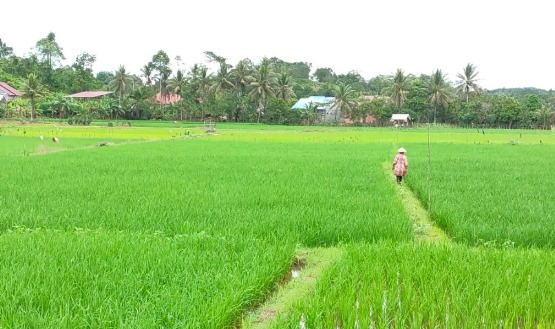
(166,99)
(7,92)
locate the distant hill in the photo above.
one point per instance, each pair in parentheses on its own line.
(521,92)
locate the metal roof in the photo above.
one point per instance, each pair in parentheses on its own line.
(321,101)
(89,94)
(10,91)
(401,117)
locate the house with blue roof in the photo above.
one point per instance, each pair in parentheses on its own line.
(327,111)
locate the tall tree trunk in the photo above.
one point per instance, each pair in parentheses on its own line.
(32,108)
(259,110)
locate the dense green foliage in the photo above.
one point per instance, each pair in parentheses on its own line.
(238,92)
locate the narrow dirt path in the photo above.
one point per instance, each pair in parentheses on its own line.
(424,228)
(309,265)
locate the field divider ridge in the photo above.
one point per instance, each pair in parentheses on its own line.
(308,265)
(425,230)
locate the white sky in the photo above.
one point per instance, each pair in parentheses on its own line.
(509,41)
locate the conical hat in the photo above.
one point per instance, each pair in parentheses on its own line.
(401,150)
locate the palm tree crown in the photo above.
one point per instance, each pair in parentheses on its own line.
(344,98)
(177,83)
(467,81)
(439,93)
(284,86)
(398,89)
(242,76)
(33,89)
(263,85)
(121,82)
(223,79)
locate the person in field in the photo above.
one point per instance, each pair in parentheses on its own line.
(400,165)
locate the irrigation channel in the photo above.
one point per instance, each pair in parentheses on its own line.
(311,262)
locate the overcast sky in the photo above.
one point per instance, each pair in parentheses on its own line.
(509,41)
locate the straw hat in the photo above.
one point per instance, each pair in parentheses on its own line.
(401,150)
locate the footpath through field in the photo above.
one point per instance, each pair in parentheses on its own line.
(425,230)
(311,262)
(308,266)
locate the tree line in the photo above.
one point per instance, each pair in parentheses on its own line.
(256,92)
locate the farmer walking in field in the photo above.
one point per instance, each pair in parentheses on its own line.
(400,165)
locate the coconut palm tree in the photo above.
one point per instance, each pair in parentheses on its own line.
(344,99)
(178,83)
(223,80)
(121,82)
(177,86)
(284,86)
(263,85)
(201,84)
(147,72)
(138,103)
(398,89)
(33,89)
(439,91)
(467,81)
(309,112)
(242,76)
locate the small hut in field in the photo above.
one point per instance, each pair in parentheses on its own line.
(402,120)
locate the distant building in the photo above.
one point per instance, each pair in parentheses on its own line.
(368,119)
(372,97)
(325,107)
(167,98)
(89,94)
(400,120)
(7,92)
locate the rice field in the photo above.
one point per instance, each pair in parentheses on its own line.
(429,286)
(320,194)
(161,225)
(500,194)
(115,279)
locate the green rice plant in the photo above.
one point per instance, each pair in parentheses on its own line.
(101,132)
(114,279)
(321,194)
(217,223)
(389,285)
(380,135)
(190,232)
(13,146)
(488,193)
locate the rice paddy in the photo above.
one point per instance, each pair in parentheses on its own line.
(161,225)
(431,286)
